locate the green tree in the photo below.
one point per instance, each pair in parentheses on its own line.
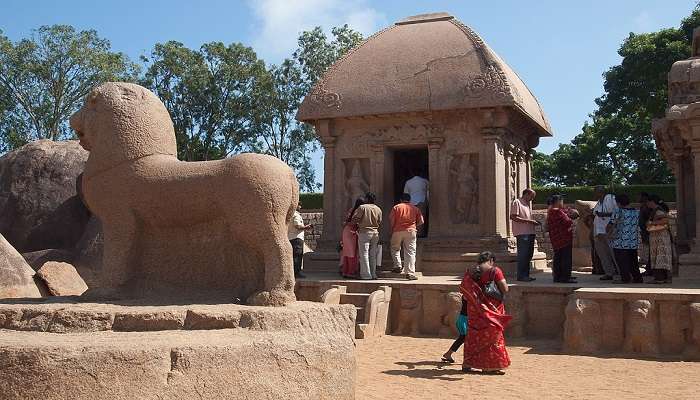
(616,146)
(316,52)
(43,80)
(278,133)
(210,94)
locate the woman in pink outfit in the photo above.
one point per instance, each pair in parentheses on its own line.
(350,262)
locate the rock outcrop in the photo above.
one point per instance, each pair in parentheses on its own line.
(16,276)
(39,206)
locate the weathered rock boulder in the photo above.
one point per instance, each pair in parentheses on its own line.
(16,276)
(61,279)
(39,208)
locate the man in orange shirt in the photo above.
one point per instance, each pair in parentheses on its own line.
(405,218)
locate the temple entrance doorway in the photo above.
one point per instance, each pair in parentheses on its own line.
(408,163)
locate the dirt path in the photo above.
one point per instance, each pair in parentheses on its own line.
(407,368)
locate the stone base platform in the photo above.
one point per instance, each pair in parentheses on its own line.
(62,349)
(590,317)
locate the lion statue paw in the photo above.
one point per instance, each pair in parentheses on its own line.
(275,298)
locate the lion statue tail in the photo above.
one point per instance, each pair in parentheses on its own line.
(295,197)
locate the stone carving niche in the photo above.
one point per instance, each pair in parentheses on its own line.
(464,188)
(356,182)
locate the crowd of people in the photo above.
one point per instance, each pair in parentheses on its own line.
(360,248)
(622,237)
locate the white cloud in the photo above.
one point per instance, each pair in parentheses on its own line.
(281,22)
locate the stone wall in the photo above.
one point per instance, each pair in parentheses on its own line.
(315,219)
(638,321)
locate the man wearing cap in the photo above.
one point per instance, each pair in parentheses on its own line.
(561,235)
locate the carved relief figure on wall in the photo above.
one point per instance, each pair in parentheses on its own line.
(513,179)
(464,183)
(355,186)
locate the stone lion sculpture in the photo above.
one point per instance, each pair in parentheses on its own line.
(173,227)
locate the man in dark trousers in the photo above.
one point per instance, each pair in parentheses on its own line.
(295,233)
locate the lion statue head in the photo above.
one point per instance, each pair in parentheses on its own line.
(120,122)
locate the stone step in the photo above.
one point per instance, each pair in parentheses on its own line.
(356,299)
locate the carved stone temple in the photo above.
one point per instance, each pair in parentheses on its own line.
(678,138)
(428,95)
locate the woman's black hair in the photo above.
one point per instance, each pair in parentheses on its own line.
(659,202)
(485,256)
(623,199)
(358,203)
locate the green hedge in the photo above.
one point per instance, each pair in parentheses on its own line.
(311,201)
(573,193)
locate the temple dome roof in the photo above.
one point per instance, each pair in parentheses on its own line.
(428,62)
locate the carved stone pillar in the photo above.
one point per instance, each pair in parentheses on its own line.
(437,191)
(331,192)
(492,176)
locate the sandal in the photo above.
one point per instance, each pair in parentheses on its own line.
(448,359)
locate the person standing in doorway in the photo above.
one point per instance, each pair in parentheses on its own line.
(417,187)
(602,227)
(295,234)
(405,219)
(524,231)
(368,218)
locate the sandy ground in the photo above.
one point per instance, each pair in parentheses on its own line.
(408,368)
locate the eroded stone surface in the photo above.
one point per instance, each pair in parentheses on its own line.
(16,276)
(309,353)
(172,226)
(64,316)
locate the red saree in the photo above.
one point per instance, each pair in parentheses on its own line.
(484,347)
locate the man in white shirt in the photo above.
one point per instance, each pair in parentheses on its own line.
(295,234)
(417,187)
(603,211)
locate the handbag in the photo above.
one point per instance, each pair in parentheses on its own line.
(491,289)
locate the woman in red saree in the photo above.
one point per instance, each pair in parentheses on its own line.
(350,263)
(485,346)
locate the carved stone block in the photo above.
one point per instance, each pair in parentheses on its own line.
(583,328)
(641,328)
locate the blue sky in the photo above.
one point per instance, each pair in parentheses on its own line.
(559,48)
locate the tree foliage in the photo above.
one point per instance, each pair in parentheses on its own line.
(222,99)
(616,146)
(210,94)
(43,80)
